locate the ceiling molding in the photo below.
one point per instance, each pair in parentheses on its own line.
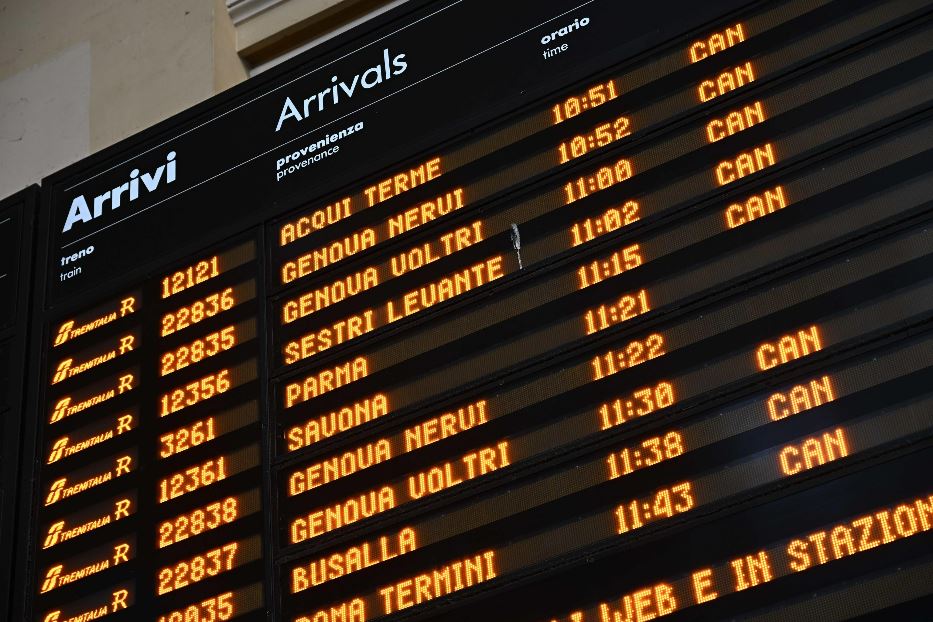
(359,12)
(242,10)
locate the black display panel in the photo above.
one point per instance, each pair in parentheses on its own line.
(11,232)
(518,311)
(6,364)
(17,222)
(8,268)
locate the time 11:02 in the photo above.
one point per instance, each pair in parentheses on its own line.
(611,220)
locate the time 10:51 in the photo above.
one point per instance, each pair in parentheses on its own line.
(594,97)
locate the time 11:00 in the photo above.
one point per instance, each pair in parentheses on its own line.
(605,177)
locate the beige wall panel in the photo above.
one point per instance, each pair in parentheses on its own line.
(229,68)
(149,59)
(155,60)
(140,62)
(44,118)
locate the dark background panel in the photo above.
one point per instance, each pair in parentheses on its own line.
(17,220)
(224,163)
(6,359)
(8,267)
(11,234)
(735,532)
(505,69)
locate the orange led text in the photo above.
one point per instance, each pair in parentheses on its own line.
(330,294)
(729,80)
(64,447)
(66,408)
(800,398)
(788,348)
(862,534)
(718,42)
(448,287)
(354,559)
(68,369)
(424,213)
(315,221)
(337,421)
(59,489)
(755,207)
(403,182)
(745,164)
(326,380)
(735,122)
(458,575)
(814,452)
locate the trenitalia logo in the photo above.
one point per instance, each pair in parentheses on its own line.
(68,369)
(64,447)
(58,450)
(331,94)
(66,407)
(81,211)
(70,330)
(59,489)
(119,600)
(55,577)
(58,532)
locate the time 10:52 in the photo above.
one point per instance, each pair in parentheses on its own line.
(603,135)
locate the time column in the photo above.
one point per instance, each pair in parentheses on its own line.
(205,482)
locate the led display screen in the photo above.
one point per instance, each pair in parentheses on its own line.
(17,219)
(539,312)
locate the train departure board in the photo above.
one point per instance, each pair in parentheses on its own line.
(11,233)
(8,267)
(17,228)
(551,311)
